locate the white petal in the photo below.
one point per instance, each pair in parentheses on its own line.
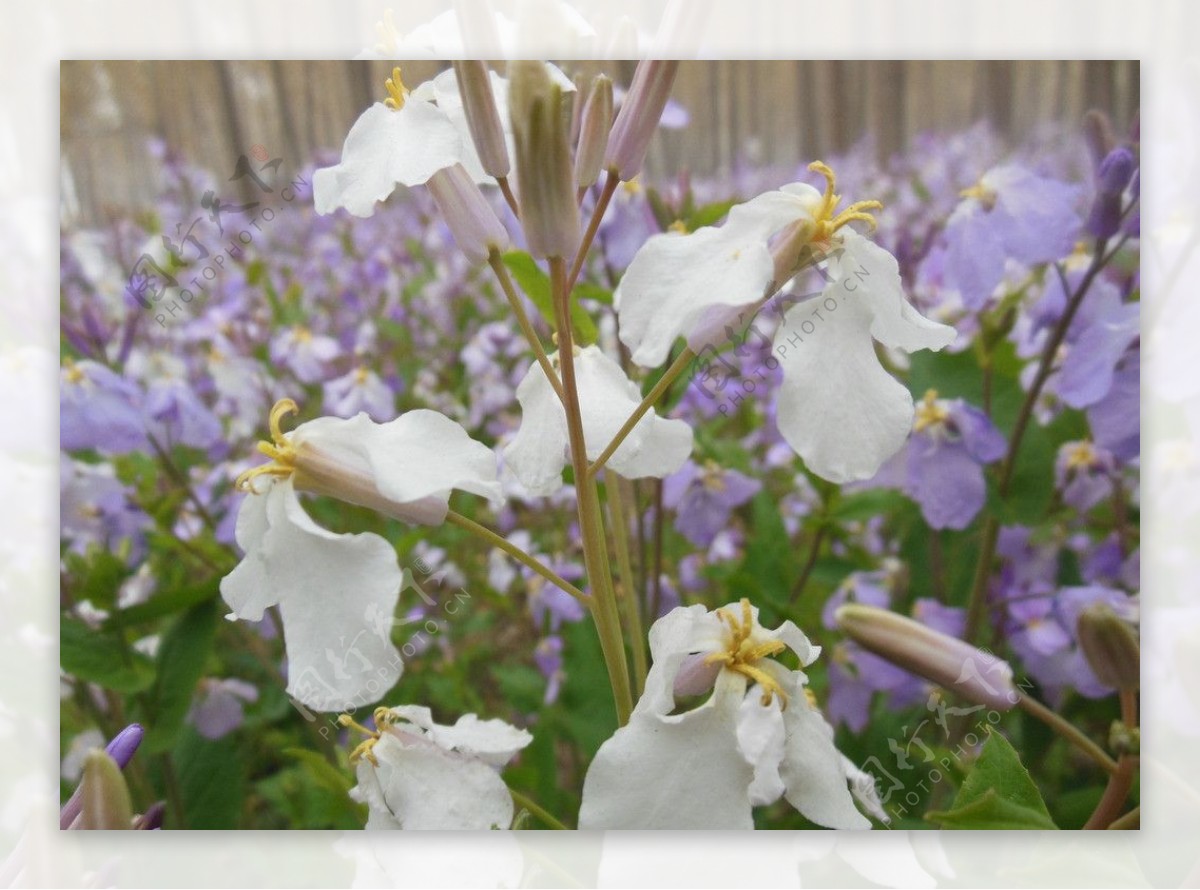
(248,589)
(673,279)
(415,459)
(385,148)
(875,276)
(673,772)
(421,786)
(538,453)
(838,408)
(681,632)
(336,595)
(812,767)
(761,736)
(492,741)
(864,789)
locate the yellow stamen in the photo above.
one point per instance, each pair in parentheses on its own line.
(930,412)
(828,220)
(279,449)
(397,91)
(982,194)
(74,375)
(364,749)
(678,226)
(742,656)
(361,375)
(1080,456)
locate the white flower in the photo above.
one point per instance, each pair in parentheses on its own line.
(337,592)
(838,408)
(742,747)
(539,451)
(414,773)
(407,138)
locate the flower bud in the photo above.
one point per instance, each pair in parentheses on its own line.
(1098,133)
(472,221)
(1110,647)
(593,132)
(545,175)
(121,749)
(483,120)
(696,675)
(104,796)
(1116,170)
(639,115)
(953,664)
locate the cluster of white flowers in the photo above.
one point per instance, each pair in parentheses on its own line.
(757,735)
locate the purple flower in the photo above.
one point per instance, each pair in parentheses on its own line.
(176,416)
(941,467)
(360,390)
(217,709)
(306,354)
(1116,418)
(1112,177)
(1084,474)
(704,497)
(99,409)
(547,655)
(1011,213)
(121,749)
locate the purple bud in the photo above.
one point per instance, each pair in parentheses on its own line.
(639,115)
(152,819)
(1105,216)
(696,675)
(121,749)
(483,119)
(1097,131)
(593,132)
(951,663)
(1116,170)
(476,228)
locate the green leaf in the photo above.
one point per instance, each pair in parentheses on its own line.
(103,658)
(998,793)
(709,214)
(212,781)
(536,285)
(181,659)
(166,602)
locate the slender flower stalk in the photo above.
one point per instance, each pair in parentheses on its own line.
(604,606)
(514,301)
(630,599)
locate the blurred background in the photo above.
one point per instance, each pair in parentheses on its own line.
(767,112)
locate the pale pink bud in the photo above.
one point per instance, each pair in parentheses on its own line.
(545,174)
(953,664)
(696,675)
(593,132)
(483,119)
(639,115)
(1110,647)
(472,221)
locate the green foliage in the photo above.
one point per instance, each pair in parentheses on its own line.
(103,658)
(998,793)
(536,285)
(181,658)
(211,777)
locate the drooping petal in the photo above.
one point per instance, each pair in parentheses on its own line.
(837,407)
(336,594)
(812,767)
(386,148)
(974,261)
(675,278)
(655,447)
(1088,370)
(761,737)
(492,741)
(413,461)
(418,785)
(946,481)
(682,771)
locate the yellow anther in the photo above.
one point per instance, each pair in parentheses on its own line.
(302,334)
(364,749)
(678,226)
(982,194)
(279,449)
(74,375)
(1081,456)
(930,412)
(397,91)
(360,375)
(713,477)
(828,219)
(632,186)
(742,655)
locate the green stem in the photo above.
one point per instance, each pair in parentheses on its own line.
(518,554)
(595,556)
(1131,821)
(977,604)
(811,563)
(1068,731)
(664,383)
(1120,783)
(523,321)
(506,190)
(631,602)
(585,244)
(522,800)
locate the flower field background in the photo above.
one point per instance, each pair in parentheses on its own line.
(1001,520)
